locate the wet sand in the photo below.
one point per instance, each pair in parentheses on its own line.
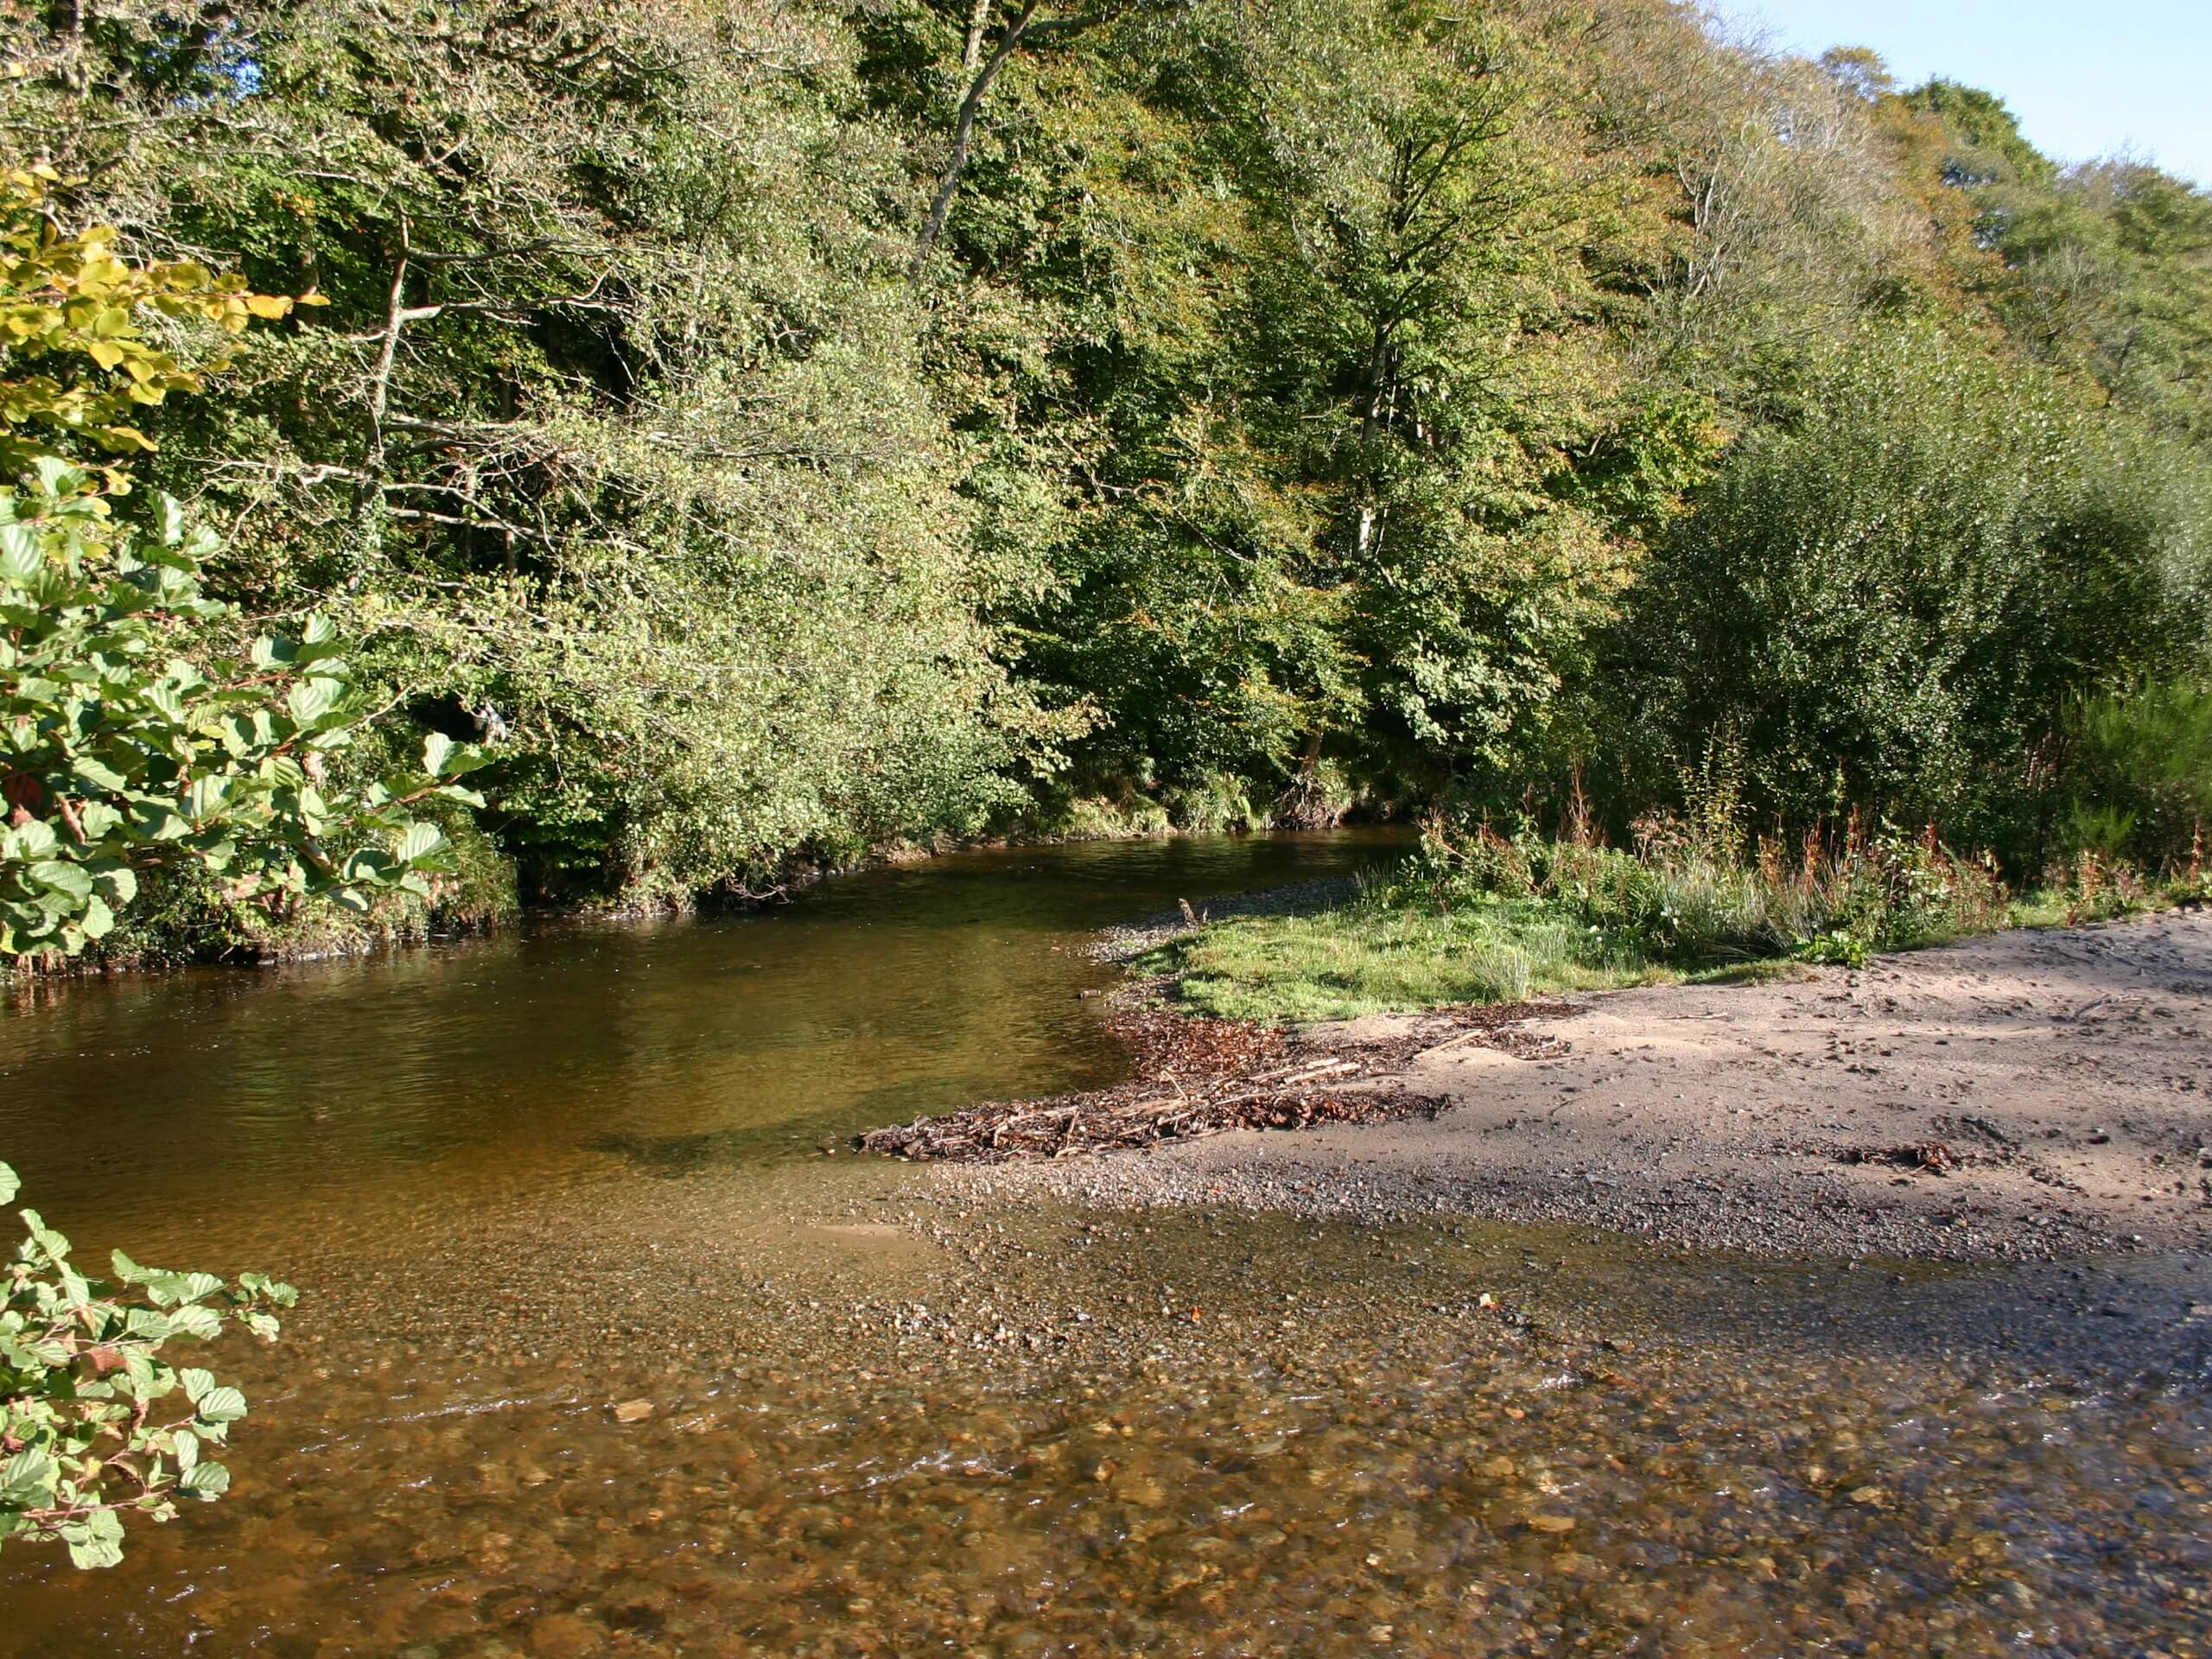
(2032,1094)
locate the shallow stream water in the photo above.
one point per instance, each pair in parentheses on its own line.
(523,1180)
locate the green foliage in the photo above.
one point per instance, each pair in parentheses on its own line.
(1308,337)
(119,752)
(2142,771)
(1987,145)
(121,757)
(1477,916)
(97,1421)
(1377,955)
(1837,950)
(1896,599)
(614,442)
(78,366)
(2104,270)
(1695,899)
(1291,407)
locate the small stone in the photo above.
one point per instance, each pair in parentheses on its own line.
(562,1636)
(634,1411)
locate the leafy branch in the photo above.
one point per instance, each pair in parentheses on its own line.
(95,1423)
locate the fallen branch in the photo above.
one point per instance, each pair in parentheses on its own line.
(1193,1078)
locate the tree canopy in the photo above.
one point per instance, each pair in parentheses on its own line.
(775,431)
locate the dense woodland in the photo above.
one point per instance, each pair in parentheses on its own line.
(778,431)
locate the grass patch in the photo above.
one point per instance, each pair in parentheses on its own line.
(1374,957)
(1481,918)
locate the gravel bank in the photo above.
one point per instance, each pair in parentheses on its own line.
(2028,1094)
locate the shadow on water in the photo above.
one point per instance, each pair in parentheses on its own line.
(701,1150)
(687,1155)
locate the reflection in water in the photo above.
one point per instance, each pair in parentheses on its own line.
(525,1181)
(492,1071)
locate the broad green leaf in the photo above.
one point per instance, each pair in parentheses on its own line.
(91,1554)
(272,651)
(218,1405)
(419,841)
(63,876)
(205,1480)
(205,800)
(146,1323)
(20,557)
(370,865)
(167,698)
(310,700)
(100,820)
(196,1320)
(57,477)
(117,884)
(95,771)
(139,1367)
(28,1475)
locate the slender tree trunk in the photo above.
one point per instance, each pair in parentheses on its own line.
(380,376)
(964,128)
(971,55)
(1372,410)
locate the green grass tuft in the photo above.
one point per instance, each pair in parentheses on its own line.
(1372,956)
(1492,920)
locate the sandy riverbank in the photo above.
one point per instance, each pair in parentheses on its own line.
(2030,1094)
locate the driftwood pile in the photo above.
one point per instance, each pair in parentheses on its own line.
(1934,1156)
(1197,1078)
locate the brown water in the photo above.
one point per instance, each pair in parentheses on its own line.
(523,1179)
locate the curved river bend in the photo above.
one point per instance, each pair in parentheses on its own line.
(524,1179)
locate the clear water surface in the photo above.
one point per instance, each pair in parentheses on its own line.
(523,1180)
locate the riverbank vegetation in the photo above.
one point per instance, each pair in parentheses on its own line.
(1478,917)
(147,733)
(779,432)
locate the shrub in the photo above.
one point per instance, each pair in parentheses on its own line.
(1681,898)
(127,743)
(1896,599)
(2142,771)
(131,743)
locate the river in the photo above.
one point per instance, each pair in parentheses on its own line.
(524,1179)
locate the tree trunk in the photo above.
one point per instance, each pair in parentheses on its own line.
(963,128)
(971,55)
